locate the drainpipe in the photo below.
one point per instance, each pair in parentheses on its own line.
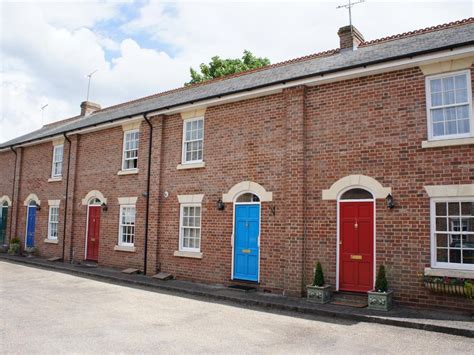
(147,210)
(65,202)
(13,195)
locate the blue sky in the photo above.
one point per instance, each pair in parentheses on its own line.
(144,47)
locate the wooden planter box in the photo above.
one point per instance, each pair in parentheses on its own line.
(459,290)
(380,301)
(319,294)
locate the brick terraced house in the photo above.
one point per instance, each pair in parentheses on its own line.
(354,157)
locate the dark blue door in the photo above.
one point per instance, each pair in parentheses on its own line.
(30,227)
(246,245)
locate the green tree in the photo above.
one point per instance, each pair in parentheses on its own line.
(218,67)
(318,276)
(381,284)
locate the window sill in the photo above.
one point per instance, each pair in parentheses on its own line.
(51,241)
(467,274)
(447,142)
(188,254)
(54,179)
(127,172)
(191,166)
(127,249)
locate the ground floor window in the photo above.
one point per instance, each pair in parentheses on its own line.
(452,235)
(53,222)
(190,230)
(127,225)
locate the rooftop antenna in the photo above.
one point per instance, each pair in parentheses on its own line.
(42,113)
(349,6)
(89,85)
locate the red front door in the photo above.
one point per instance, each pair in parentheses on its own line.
(356,246)
(93,232)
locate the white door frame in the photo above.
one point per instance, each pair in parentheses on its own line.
(339,201)
(259,230)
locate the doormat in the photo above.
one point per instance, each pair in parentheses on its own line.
(242,288)
(350,300)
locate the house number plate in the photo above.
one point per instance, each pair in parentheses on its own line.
(356,257)
(246,251)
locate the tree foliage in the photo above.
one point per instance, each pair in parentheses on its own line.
(218,67)
(318,276)
(381,283)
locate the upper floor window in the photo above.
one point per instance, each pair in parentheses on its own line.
(449,100)
(57,169)
(193,138)
(452,233)
(130,150)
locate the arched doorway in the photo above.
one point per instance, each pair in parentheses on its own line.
(356,240)
(3,222)
(246,253)
(94,208)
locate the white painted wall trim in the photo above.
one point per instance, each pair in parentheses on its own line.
(127,200)
(447,142)
(447,66)
(450,190)
(191,166)
(58,141)
(193,113)
(188,254)
(93,194)
(131,126)
(32,197)
(54,203)
(247,186)
(190,198)
(466,274)
(367,182)
(7,199)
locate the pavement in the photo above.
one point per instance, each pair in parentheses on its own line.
(423,319)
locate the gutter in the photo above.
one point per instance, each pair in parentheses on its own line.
(282,82)
(147,208)
(13,194)
(65,203)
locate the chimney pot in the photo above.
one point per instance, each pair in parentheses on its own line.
(88,107)
(349,40)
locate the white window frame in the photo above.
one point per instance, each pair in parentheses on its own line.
(429,107)
(123,148)
(181,227)
(183,148)
(434,263)
(54,162)
(120,236)
(50,222)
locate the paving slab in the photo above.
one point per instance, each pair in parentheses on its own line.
(425,319)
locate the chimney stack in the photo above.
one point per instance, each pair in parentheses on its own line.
(349,40)
(88,107)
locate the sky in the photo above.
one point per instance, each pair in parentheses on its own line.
(139,48)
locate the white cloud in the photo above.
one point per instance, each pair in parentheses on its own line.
(48,48)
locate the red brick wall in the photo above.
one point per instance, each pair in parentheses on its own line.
(374,126)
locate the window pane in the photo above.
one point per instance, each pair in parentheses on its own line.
(441,225)
(460,81)
(468,241)
(467,208)
(435,85)
(441,240)
(451,127)
(438,129)
(436,99)
(461,96)
(467,224)
(437,115)
(448,83)
(468,257)
(463,126)
(441,209)
(453,208)
(454,241)
(455,256)
(442,255)
(356,194)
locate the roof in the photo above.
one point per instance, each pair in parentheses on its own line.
(455,34)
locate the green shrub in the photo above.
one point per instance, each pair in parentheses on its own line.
(15,241)
(318,276)
(14,249)
(381,283)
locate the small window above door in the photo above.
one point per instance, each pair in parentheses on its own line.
(247,197)
(357,194)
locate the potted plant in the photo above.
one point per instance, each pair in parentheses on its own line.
(14,247)
(319,292)
(31,251)
(380,298)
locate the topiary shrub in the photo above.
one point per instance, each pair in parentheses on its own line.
(318,276)
(15,241)
(381,283)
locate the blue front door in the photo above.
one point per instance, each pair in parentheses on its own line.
(246,244)
(30,227)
